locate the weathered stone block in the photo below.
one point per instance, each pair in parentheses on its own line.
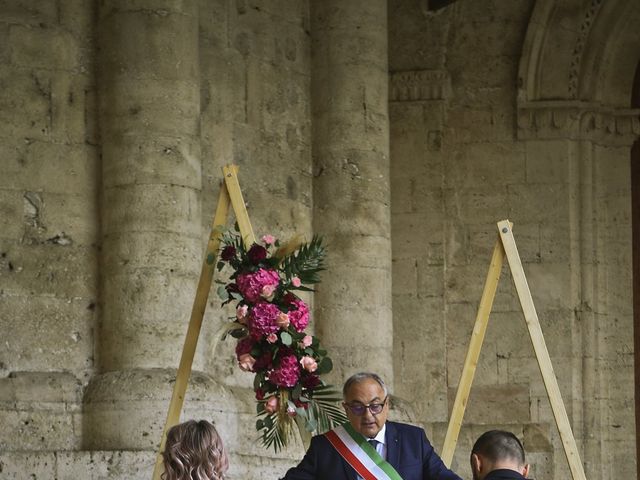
(477,205)
(506,404)
(60,50)
(11,209)
(430,279)
(415,237)
(486,370)
(46,331)
(127,409)
(29,12)
(37,431)
(538,203)
(25,104)
(141,107)
(405,277)
(548,161)
(142,208)
(550,285)
(372,317)
(40,387)
(488,164)
(50,269)
(50,167)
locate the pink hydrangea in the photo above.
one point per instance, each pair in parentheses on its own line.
(299,315)
(263,319)
(251,284)
(287,373)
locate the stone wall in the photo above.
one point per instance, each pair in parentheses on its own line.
(50,234)
(475,140)
(118,115)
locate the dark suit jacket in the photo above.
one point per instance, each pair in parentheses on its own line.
(504,474)
(408,451)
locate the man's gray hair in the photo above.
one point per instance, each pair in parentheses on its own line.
(361,377)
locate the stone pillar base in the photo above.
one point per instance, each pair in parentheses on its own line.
(126,410)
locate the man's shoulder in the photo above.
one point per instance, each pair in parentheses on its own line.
(405,427)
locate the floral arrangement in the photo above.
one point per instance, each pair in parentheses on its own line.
(270,325)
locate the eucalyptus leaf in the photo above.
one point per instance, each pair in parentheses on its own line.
(295,394)
(325,366)
(286,338)
(222,292)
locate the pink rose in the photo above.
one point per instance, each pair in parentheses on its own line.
(272,404)
(309,363)
(283,320)
(241,313)
(272,338)
(246,362)
(251,284)
(295,281)
(269,239)
(291,411)
(267,291)
(306,341)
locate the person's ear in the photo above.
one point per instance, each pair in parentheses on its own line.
(476,463)
(525,470)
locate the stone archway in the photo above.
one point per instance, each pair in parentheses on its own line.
(575,77)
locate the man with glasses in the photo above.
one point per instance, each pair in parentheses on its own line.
(369,447)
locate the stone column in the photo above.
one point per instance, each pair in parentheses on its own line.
(351,184)
(149,108)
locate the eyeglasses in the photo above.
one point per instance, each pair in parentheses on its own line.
(358,409)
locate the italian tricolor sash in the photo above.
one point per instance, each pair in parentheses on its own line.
(353,447)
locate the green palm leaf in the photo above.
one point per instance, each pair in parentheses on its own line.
(307,262)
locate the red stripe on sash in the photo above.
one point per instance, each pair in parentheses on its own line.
(348,456)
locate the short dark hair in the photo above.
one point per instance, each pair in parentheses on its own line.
(499,445)
(361,377)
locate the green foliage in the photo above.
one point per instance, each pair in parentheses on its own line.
(322,414)
(307,262)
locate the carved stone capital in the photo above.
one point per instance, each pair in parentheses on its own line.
(578,121)
(419,85)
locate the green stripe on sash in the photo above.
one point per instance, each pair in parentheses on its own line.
(372,452)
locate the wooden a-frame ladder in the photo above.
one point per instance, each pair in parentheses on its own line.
(230,195)
(506,245)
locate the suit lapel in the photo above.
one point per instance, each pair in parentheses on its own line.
(393,445)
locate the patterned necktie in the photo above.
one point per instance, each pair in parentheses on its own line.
(373,443)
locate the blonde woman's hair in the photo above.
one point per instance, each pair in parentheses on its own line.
(194,451)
